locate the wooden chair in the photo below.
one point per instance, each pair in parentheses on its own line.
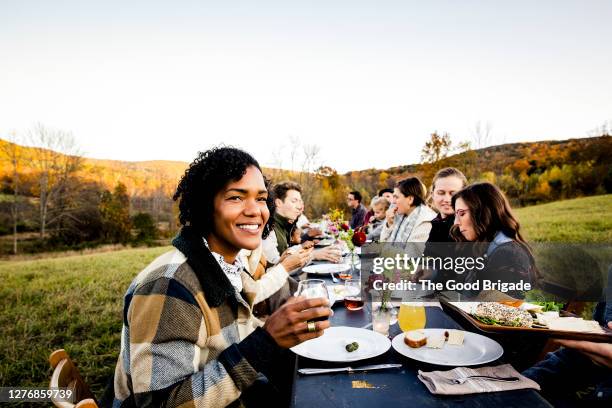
(66,375)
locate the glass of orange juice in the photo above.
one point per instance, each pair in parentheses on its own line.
(411,316)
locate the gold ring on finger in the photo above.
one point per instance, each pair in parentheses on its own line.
(312,327)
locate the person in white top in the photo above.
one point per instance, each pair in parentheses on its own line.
(410,219)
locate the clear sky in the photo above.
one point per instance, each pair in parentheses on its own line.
(366,81)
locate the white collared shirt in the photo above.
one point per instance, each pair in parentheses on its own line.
(232,271)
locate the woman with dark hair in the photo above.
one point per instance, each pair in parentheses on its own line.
(189,336)
(409,220)
(483,215)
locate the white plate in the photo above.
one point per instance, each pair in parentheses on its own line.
(476,349)
(331,345)
(326,268)
(325,242)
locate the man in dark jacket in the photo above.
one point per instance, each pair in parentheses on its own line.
(359,211)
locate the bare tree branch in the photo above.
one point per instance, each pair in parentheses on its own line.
(12,152)
(55,157)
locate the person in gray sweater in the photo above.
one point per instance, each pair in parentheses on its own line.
(380,206)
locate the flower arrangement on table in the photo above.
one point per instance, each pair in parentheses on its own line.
(341,231)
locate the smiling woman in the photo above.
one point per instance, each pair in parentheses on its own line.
(189,334)
(215,178)
(240,214)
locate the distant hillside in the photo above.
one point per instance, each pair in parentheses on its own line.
(513,160)
(528,172)
(497,158)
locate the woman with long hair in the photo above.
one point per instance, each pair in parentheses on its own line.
(409,220)
(483,216)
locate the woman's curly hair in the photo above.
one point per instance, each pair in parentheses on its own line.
(210,172)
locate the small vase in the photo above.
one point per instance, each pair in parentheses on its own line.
(381,318)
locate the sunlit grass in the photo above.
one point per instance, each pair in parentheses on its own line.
(73,303)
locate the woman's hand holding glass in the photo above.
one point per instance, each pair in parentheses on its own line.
(303,317)
(294,322)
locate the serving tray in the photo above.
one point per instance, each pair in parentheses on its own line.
(465,319)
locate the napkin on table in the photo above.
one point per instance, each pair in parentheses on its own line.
(439,382)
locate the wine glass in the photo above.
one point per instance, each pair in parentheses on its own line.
(353,299)
(313,288)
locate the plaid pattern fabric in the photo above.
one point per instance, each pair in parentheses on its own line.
(179,350)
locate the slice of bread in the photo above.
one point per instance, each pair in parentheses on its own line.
(415,339)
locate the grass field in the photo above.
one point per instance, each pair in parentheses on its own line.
(586,219)
(72,303)
(75,302)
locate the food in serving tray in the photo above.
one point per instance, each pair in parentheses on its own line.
(503,315)
(415,338)
(553,321)
(498,314)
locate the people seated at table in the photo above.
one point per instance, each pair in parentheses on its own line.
(410,219)
(483,215)
(189,337)
(289,206)
(375,223)
(358,210)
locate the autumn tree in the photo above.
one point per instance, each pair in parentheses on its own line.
(115,211)
(436,148)
(55,158)
(12,153)
(81,220)
(145,226)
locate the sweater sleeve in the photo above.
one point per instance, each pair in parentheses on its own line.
(270,249)
(167,339)
(385,232)
(274,279)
